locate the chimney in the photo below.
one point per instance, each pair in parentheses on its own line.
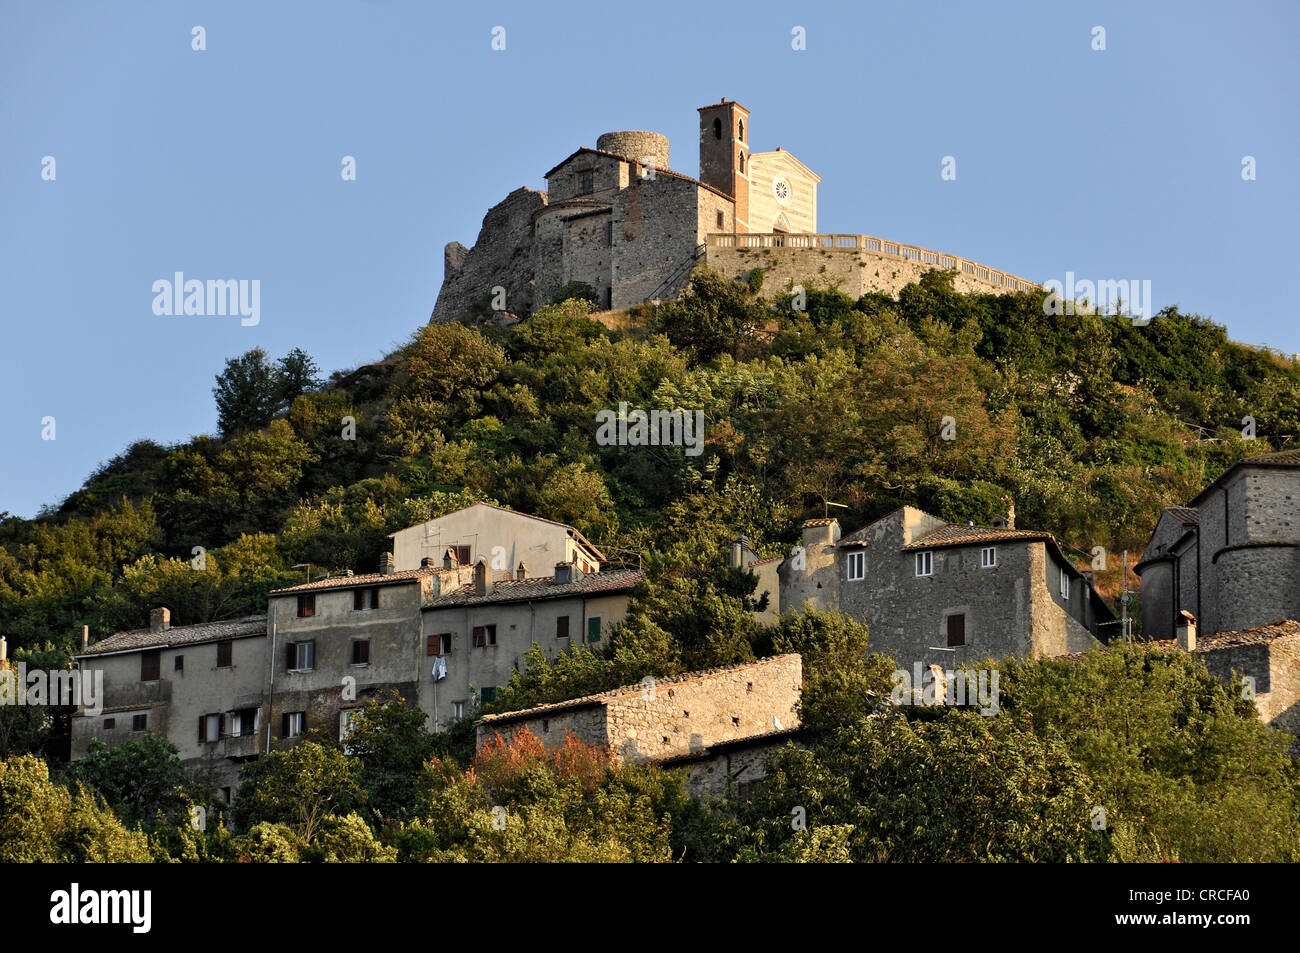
(4,649)
(449,560)
(738,553)
(85,637)
(160,620)
(566,573)
(1008,521)
(482,578)
(426,562)
(1186,631)
(820,532)
(386,564)
(522,571)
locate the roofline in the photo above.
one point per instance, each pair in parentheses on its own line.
(505,509)
(1263,464)
(789,155)
(614,155)
(167,645)
(348,582)
(720,747)
(725,102)
(542,711)
(516,600)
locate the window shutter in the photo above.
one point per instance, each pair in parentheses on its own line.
(358,598)
(562,627)
(431,645)
(290,655)
(221,725)
(374,598)
(284,725)
(203,727)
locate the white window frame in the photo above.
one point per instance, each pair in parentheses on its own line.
(989,557)
(298,651)
(1065,584)
(297,722)
(346,717)
(925,562)
(212,731)
(458,709)
(857,566)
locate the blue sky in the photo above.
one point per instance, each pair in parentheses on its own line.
(226,163)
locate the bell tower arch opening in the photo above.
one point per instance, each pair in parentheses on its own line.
(724,155)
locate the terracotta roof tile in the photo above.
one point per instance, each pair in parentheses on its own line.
(367,579)
(1184,514)
(541,587)
(956,534)
(1259,635)
(178,635)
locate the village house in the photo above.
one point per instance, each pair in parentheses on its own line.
(444,635)
(941,593)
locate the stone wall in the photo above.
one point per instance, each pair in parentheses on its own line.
(872,265)
(655,231)
(676,717)
(1272,504)
(502,256)
(727,769)
(1257,585)
(1275,667)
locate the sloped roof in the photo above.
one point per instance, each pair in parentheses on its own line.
(366,579)
(1184,514)
(1277,460)
(1259,635)
(614,155)
(505,509)
(959,534)
(541,587)
(749,741)
(136,639)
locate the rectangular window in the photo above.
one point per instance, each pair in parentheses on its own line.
(593,629)
(307,606)
(361,652)
(293,724)
(484,635)
(1065,584)
(721,221)
(458,709)
(586,182)
(301,656)
(488,694)
(223,654)
(925,563)
(462,554)
(988,557)
(857,566)
(151,666)
(110,723)
(439,644)
(957,629)
(365,598)
(179,664)
(562,627)
(139,722)
(346,717)
(243,722)
(211,727)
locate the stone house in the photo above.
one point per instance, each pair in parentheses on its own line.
(702,719)
(1231,556)
(477,634)
(202,687)
(942,593)
(504,537)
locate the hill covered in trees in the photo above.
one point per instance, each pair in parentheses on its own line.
(1088,423)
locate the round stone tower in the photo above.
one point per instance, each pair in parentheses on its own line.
(643,147)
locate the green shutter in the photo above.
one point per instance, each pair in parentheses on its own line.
(593,629)
(488,694)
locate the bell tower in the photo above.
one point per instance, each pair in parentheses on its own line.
(724,154)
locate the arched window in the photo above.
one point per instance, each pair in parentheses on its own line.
(741,126)
(742,162)
(717,129)
(782,224)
